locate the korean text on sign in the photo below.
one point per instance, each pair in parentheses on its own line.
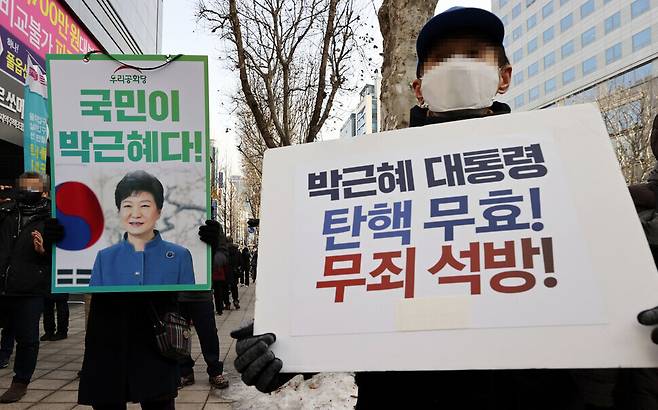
(511,266)
(46,26)
(135,107)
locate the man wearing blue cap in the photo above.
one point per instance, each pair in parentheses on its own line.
(461,67)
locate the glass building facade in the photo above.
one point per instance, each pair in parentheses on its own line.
(571,46)
(366,118)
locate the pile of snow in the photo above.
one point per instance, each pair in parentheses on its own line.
(323,391)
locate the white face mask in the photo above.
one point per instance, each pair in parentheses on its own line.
(460,83)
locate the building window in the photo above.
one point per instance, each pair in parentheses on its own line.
(549,34)
(516,11)
(529,3)
(566,23)
(517,33)
(550,85)
(549,59)
(623,117)
(547,10)
(567,49)
(568,75)
(533,93)
(519,101)
(502,3)
(588,37)
(533,69)
(518,78)
(504,20)
(517,56)
(532,21)
(613,53)
(630,78)
(563,2)
(612,22)
(642,39)
(639,7)
(586,9)
(589,65)
(532,45)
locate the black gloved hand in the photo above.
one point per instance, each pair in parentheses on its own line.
(256,362)
(53,232)
(650,318)
(211,233)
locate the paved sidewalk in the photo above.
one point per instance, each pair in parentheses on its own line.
(55,385)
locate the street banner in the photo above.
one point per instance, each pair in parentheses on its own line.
(46,26)
(11,110)
(28,31)
(502,242)
(130,172)
(35,148)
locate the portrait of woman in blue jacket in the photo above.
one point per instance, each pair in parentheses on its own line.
(142,257)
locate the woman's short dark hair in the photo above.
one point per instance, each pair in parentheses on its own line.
(139,181)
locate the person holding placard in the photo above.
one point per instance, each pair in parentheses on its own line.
(462,66)
(122,362)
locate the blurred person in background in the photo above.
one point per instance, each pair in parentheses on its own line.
(25,260)
(246,258)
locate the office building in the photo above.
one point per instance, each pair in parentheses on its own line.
(566,51)
(366,118)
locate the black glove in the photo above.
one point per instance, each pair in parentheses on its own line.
(211,233)
(256,362)
(53,232)
(650,318)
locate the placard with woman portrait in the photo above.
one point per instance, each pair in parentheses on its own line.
(130,170)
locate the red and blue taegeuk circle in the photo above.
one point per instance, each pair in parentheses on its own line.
(79,211)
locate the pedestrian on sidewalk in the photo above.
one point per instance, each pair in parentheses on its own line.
(233,272)
(254,265)
(25,258)
(461,67)
(197,307)
(245,265)
(52,301)
(219,286)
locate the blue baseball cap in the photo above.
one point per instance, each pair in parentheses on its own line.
(479,22)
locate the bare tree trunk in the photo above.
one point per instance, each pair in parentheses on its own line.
(400,21)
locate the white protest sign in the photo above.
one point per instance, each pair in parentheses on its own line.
(502,242)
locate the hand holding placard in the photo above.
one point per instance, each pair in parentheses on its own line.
(650,318)
(256,362)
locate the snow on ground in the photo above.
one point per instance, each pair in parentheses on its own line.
(323,391)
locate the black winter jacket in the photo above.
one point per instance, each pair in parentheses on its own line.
(23,272)
(122,362)
(233,269)
(246,259)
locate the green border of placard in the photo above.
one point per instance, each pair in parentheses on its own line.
(127,57)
